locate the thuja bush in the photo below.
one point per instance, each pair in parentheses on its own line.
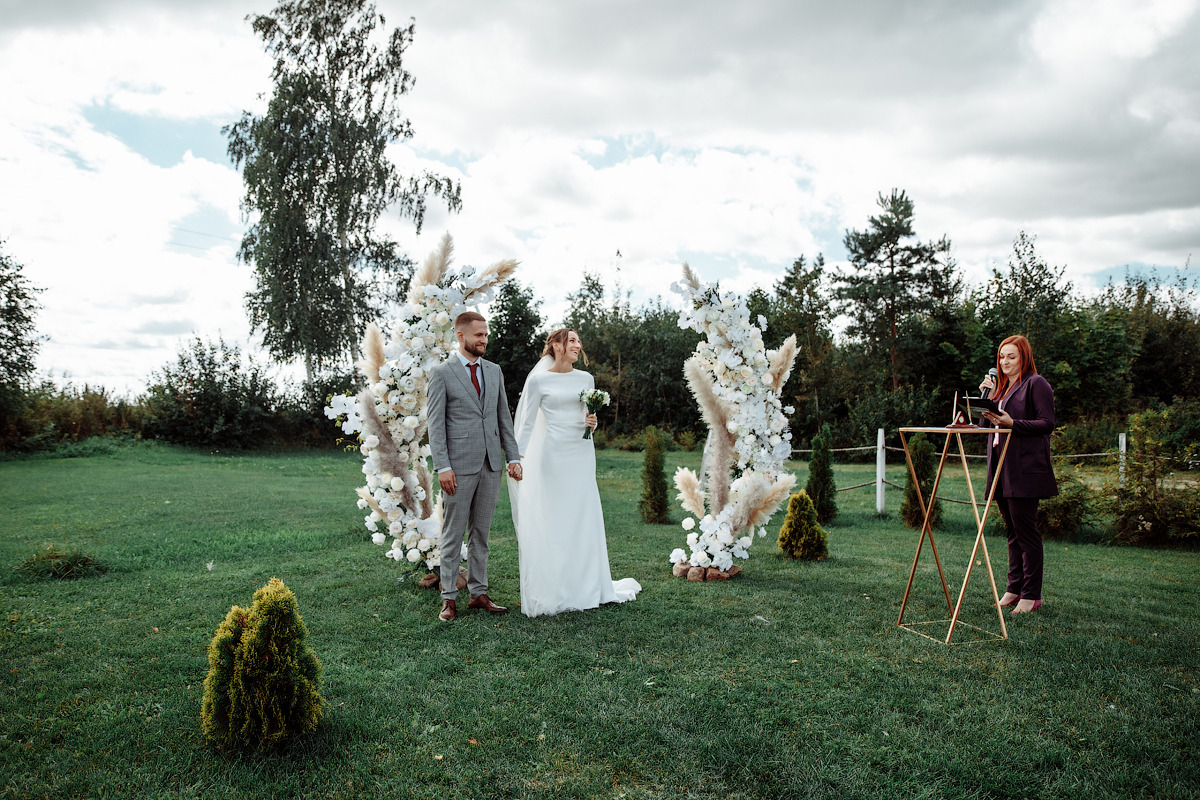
(821,488)
(924,464)
(653,505)
(801,536)
(263,678)
(1155,506)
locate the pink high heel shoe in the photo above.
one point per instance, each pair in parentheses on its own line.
(1009,599)
(1036,604)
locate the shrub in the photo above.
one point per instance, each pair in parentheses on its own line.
(687,440)
(1088,435)
(62,564)
(263,679)
(821,488)
(209,398)
(881,407)
(55,415)
(1153,507)
(924,464)
(1063,516)
(653,505)
(801,536)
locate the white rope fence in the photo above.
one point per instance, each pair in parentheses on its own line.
(881,449)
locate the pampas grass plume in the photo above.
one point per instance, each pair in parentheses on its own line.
(690,497)
(373,356)
(779,362)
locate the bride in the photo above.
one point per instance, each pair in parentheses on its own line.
(556,508)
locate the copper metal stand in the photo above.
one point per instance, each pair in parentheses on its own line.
(955,433)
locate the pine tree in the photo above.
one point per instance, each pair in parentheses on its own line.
(923,462)
(801,536)
(653,505)
(263,679)
(821,487)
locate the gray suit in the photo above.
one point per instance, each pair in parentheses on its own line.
(467,433)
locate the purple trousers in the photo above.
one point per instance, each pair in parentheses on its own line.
(1024,546)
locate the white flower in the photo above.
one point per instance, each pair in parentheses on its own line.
(423,545)
(370,523)
(413,556)
(397,484)
(723,560)
(378,538)
(689,523)
(678,555)
(692,539)
(362,503)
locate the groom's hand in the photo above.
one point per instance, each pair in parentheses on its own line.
(515,472)
(447,481)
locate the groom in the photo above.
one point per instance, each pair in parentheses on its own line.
(469,424)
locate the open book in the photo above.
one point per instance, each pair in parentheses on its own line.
(975,406)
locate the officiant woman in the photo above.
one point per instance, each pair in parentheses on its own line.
(1026,403)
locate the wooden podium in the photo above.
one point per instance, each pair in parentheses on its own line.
(954,432)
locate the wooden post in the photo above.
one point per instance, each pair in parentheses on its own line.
(879,471)
(1121,443)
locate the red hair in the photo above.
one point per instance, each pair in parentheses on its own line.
(1025,352)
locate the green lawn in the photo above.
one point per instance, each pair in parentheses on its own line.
(790,681)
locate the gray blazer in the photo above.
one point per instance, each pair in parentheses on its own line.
(466,431)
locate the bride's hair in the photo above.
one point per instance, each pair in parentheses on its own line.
(559,337)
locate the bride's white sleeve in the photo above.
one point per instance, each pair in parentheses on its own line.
(527,413)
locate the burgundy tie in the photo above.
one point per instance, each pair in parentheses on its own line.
(475,377)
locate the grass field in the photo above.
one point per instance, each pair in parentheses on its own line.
(790,681)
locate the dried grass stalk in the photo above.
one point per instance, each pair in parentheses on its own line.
(389,456)
(758,499)
(500,271)
(690,497)
(436,265)
(373,356)
(689,277)
(779,362)
(365,495)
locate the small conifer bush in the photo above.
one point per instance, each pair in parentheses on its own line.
(821,487)
(924,464)
(263,679)
(802,536)
(653,505)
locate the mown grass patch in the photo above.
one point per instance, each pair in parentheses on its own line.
(789,681)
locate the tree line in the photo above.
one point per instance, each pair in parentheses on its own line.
(916,334)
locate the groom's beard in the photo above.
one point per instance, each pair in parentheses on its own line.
(476,350)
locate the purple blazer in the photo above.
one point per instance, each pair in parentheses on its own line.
(1027,471)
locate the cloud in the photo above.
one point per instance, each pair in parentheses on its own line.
(167,327)
(736,137)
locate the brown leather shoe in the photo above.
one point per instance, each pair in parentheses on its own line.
(484,602)
(449,611)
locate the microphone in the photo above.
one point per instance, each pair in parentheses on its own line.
(986,393)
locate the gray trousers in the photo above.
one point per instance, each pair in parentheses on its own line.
(472,505)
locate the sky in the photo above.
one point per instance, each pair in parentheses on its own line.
(734,136)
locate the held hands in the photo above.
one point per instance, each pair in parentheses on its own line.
(591,420)
(1001,420)
(515,472)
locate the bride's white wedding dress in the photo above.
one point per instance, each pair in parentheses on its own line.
(556,507)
